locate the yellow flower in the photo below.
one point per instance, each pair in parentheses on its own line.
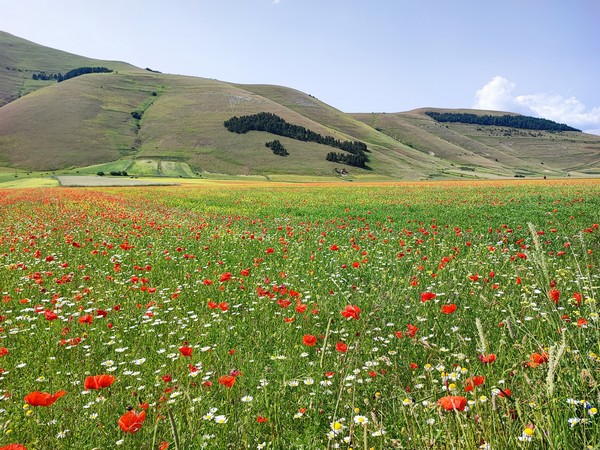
(528,431)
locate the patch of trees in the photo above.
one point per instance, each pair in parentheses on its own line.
(524,122)
(47,76)
(348,159)
(277,147)
(114,173)
(70,74)
(274,124)
(84,70)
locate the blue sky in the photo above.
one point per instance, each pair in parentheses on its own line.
(537,57)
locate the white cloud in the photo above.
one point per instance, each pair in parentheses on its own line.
(499,95)
(496,95)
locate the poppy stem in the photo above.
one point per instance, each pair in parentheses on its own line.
(173,429)
(325,342)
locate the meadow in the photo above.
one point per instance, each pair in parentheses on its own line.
(301,316)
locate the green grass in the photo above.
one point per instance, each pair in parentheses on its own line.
(246,274)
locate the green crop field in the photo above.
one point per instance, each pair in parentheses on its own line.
(261,315)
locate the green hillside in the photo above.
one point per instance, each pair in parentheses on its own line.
(146,123)
(496,150)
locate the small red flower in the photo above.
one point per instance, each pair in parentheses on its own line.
(50,315)
(309,340)
(167,378)
(554,295)
(261,419)
(341,347)
(227,380)
(86,319)
(487,359)
(471,382)
(131,421)
(351,312)
(38,398)
(99,381)
(453,402)
(504,393)
(186,350)
(535,359)
(412,330)
(3,351)
(225,277)
(426,296)
(448,309)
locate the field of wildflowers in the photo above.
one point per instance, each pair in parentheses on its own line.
(392,316)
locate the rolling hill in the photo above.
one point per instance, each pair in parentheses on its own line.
(148,123)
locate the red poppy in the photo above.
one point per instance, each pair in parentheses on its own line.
(13,447)
(99,381)
(334,248)
(309,340)
(582,322)
(426,296)
(167,378)
(341,347)
(535,359)
(50,315)
(554,295)
(38,398)
(504,393)
(185,350)
(3,351)
(86,319)
(577,298)
(412,330)
(351,312)
(261,419)
(227,380)
(131,421)
(487,359)
(225,277)
(448,309)
(471,382)
(453,402)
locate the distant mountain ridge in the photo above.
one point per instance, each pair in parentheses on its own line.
(142,122)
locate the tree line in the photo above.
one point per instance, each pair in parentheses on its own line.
(524,122)
(274,124)
(70,74)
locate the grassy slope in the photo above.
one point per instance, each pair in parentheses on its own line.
(388,156)
(21,58)
(492,149)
